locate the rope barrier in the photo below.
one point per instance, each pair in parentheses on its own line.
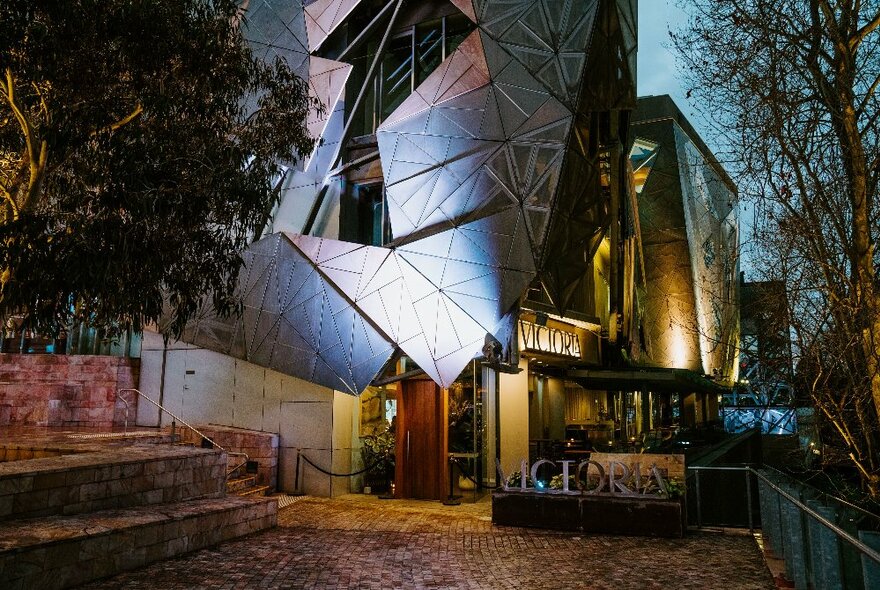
(468,476)
(461,467)
(330,473)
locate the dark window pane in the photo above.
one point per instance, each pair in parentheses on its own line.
(373,226)
(458,26)
(429,48)
(397,71)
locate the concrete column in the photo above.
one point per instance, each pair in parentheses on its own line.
(555,402)
(688,409)
(795,541)
(714,413)
(513,417)
(770,518)
(824,549)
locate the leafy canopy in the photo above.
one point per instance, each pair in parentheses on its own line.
(138,145)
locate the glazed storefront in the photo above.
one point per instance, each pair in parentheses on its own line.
(556,402)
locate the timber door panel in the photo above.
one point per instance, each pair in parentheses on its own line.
(421,432)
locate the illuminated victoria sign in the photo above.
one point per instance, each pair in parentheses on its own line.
(549,340)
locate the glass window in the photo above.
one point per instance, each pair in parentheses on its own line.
(458,26)
(429,49)
(364,216)
(396,77)
(409,59)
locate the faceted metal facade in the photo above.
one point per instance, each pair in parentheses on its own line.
(295,321)
(689,231)
(491,180)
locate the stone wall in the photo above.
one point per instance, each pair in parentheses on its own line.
(60,390)
(205,387)
(77,481)
(261,447)
(65,554)
(670,466)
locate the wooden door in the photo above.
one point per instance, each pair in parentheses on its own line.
(420,454)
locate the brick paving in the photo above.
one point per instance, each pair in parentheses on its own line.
(361,542)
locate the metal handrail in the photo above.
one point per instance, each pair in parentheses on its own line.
(867,551)
(182,421)
(840,501)
(872,554)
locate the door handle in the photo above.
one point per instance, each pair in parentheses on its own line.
(407,444)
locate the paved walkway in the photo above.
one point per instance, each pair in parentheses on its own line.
(361,542)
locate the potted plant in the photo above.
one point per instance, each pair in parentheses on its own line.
(378,455)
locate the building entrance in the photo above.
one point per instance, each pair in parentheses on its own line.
(421,440)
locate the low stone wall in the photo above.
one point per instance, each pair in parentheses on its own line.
(261,447)
(60,390)
(670,466)
(601,513)
(77,481)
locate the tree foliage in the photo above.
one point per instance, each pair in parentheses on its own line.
(138,143)
(792,86)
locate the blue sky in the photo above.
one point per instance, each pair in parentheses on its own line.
(658,74)
(656,68)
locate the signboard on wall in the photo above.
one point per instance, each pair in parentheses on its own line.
(549,340)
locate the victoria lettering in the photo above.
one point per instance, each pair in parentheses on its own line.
(615,478)
(549,340)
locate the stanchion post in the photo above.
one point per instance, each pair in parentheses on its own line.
(451,500)
(296,489)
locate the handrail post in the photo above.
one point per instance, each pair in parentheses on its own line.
(866,551)
(125,403)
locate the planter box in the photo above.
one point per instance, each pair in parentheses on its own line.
(599,513)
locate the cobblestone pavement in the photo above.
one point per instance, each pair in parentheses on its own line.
(360,542)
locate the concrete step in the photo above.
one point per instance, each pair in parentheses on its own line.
(238,484)
(60,552)
(106,478)
(254,491)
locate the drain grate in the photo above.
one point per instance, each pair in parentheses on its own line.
(284,500)
(115,434)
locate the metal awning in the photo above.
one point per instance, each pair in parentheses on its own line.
(652,379)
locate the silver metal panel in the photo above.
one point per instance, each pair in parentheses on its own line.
(434,306)
(327,79)
(710,215)
(322,18)
(302,325)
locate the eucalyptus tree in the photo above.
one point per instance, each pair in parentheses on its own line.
(132,170)
(792,88)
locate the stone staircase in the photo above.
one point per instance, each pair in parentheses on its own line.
(245,485)
(78,510)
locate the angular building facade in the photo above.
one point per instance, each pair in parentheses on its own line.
(464,257)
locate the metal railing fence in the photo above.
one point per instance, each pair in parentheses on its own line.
(826,543)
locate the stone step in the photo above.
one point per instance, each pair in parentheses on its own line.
(254,491)
(60,552)
(106,478)
(233,486)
